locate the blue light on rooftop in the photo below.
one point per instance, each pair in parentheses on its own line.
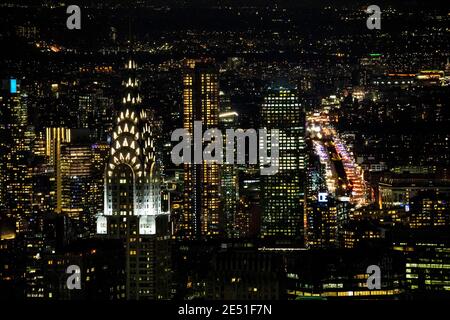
(13,85)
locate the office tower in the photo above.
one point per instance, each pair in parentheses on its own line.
(426,262)
(42,174)
(16,142)
(43,188)
(332,274)
(397,189)
(99,157)
(321,228)
(248,211)
(86,110)
(39,148)
(229,172)
(82,180)
(4,143)
(172,188)
(95,114)
(201,205)
(282,194)
(76,182)
(320,220)
(132,208)
(55,139)
(429,209)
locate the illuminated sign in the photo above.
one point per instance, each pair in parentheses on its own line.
(102,225)
(323,197)
(147,225)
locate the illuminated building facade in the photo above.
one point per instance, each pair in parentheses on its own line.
(132,208)
(334,274)
(248,214)
(398,189)
(5,140)
(82,168)
(201,199)
(75,173)
(428,210)
(427,263)
(229,172)
(320,220)
(99,156)
(82,182)
(55,138)
(282,194)
(321,228)
(356,233)
(16,142)
(95,114)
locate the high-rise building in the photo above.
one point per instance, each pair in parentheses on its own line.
(5,142)
(320,220)
(95,114)
(100,153)
(201,204)
(16,142)
(82,170)
(132,208)
(55,139)
(248,213)
(282,194)
(76,171)
(229,181)
(76,176)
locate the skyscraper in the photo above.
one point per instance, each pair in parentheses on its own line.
(82,183)
(229,172)
(55,138)
(282,194)
(201,204)
(95,113)
(75,171)
(16,142)
(320,215)
(132,210)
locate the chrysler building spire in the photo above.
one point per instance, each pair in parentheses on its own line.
(132,203)
(132,157)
